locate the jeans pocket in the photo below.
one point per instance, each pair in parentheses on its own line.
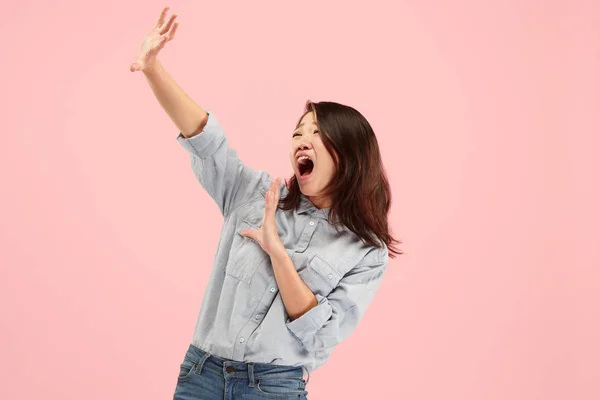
(186,369)
(281,388)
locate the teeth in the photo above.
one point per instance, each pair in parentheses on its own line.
(301,159)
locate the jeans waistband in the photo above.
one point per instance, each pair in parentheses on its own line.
(240,369)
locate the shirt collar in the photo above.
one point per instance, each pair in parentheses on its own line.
(307,206)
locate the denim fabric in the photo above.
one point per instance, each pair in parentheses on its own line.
(242,316)
(203,376)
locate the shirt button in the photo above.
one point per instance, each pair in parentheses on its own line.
(258,317)
(272,289)
(242,340)
(330,276)
(312,223)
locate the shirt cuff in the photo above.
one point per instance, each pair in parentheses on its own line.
(307,325)
(207,142)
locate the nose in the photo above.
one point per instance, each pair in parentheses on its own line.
(303,146)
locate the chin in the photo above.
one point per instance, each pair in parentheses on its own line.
(305,190)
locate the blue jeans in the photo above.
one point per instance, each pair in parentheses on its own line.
(203,376)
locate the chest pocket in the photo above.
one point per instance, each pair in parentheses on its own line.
(319,276)
(246,255)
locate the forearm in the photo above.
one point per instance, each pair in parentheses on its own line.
(297,297)
(188,116)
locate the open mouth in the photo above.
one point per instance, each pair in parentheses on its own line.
(305,166)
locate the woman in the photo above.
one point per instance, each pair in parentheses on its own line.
(292,278)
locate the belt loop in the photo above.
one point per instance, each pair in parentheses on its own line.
(307,374)
(251,374)
(200,363)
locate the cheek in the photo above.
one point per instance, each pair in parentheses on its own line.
(332,169)
(328,167)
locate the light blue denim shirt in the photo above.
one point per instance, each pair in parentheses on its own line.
(242,316)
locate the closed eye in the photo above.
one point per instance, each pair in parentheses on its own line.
(297,134)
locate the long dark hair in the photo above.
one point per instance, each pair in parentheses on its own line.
(360,191)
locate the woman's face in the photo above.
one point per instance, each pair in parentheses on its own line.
(314,173)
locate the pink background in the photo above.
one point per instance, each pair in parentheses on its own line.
(487,118)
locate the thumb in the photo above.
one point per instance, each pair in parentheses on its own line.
(250,233)
(134,66)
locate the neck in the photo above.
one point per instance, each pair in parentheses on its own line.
(320,202)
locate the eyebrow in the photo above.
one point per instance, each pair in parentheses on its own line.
(298,127)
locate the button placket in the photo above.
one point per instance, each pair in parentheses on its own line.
(306,235)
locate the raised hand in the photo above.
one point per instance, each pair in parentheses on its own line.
(267,236)
(163,31)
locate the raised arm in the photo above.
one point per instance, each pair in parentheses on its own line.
(216,165)
(188,116)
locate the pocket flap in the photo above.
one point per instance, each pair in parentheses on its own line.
(320,266)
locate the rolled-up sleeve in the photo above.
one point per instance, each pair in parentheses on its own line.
(218,168)
(336,316)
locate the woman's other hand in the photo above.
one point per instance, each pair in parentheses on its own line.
(267,236)
(163,31)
